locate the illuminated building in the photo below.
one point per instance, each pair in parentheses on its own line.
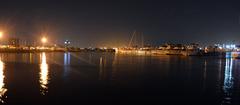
(14,42)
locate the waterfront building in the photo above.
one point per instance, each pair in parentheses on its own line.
(14,42)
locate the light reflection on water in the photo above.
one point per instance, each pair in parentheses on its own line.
(228,81)
(67,62)
(44,79)
(67,58)
(213,76)
(102,68)
(3,90)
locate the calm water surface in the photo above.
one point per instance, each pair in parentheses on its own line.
(105,78)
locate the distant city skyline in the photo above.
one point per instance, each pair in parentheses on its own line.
(111,23)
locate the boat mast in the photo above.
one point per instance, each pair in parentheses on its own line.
(130,43)
(142,41)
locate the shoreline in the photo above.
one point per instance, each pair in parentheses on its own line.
(39,51)
(147,53)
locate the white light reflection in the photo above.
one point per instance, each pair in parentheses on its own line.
(44,79)
(228,80)
(67,59)
(3,90)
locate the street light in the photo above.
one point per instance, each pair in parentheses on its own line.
(1,34)
(44,40)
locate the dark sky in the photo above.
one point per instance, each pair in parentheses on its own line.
(110,23)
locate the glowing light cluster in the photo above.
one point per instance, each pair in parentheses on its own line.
(230,46)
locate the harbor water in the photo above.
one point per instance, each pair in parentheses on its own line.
(109,78)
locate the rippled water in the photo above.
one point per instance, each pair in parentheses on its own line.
(107,78)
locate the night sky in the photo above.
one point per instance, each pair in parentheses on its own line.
(111,23)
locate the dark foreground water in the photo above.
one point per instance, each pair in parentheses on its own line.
(110,79)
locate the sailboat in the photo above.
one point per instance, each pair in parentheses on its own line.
(133,46)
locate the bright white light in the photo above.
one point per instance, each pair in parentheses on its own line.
(67,42)
(228,46)
(233,46)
